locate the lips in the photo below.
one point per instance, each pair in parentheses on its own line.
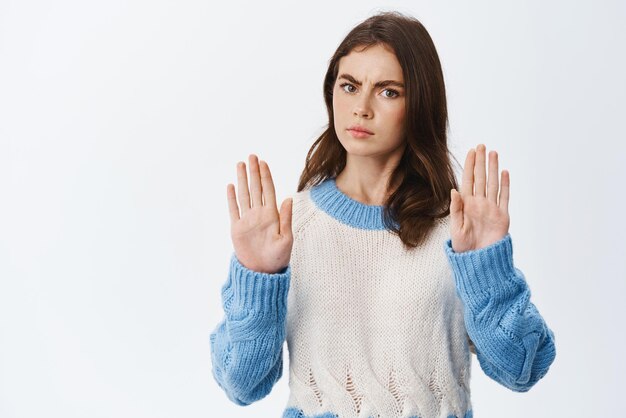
(359,128)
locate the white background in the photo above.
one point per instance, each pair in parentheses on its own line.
(121,123)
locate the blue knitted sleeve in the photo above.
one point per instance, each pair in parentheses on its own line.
(514,346)
(247,345)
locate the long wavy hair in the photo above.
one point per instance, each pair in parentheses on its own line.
(425,169)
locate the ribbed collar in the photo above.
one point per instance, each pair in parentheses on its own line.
(342,207)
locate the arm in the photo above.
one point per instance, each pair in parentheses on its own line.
(513,344)
(247,345)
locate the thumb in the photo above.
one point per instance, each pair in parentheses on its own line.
(285,216)
(456,209)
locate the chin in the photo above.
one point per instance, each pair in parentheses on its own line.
(361,150)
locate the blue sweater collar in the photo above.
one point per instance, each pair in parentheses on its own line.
(342,207)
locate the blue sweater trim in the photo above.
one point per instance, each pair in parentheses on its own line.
(297,413)
(342,207)
(514,346)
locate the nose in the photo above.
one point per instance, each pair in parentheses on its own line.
(362,107)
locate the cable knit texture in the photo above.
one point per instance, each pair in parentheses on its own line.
(374,330)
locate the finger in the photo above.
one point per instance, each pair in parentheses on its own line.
(467,188)
(269,194)
(285,216)
(479,171)
(242,187)
(492,191)
(456,209)
(255,181)
(233,210)
(504,191)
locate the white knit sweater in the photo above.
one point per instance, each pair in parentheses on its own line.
(372,329)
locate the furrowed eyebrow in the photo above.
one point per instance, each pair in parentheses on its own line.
(384,83)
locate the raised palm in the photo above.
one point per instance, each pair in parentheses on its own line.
(479,217)
(262,238)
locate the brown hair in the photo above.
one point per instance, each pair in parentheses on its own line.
(424,171)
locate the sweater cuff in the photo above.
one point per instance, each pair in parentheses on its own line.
(249,291)
(488,270)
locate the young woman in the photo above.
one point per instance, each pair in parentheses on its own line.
(388,277)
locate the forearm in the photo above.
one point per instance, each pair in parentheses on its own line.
(513,343)
(246,346)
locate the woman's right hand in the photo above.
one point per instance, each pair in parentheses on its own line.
(262,237)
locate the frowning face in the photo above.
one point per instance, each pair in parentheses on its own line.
(369,93)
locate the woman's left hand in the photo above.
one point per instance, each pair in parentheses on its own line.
(478,219)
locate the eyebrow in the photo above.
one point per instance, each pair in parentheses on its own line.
(384,83)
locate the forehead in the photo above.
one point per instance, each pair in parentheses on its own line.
(372,64)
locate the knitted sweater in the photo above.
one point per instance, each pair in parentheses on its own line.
(374,330)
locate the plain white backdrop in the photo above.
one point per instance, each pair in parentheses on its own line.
(121,123)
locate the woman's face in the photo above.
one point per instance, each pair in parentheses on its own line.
(357,100)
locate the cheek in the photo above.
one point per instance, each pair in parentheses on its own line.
(397,116)
(339,103)
(396,124)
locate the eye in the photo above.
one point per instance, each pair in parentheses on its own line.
(346,84)
(394,92)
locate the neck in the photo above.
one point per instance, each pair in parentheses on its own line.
(365,178)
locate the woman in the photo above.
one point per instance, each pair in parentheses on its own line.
(388,277)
